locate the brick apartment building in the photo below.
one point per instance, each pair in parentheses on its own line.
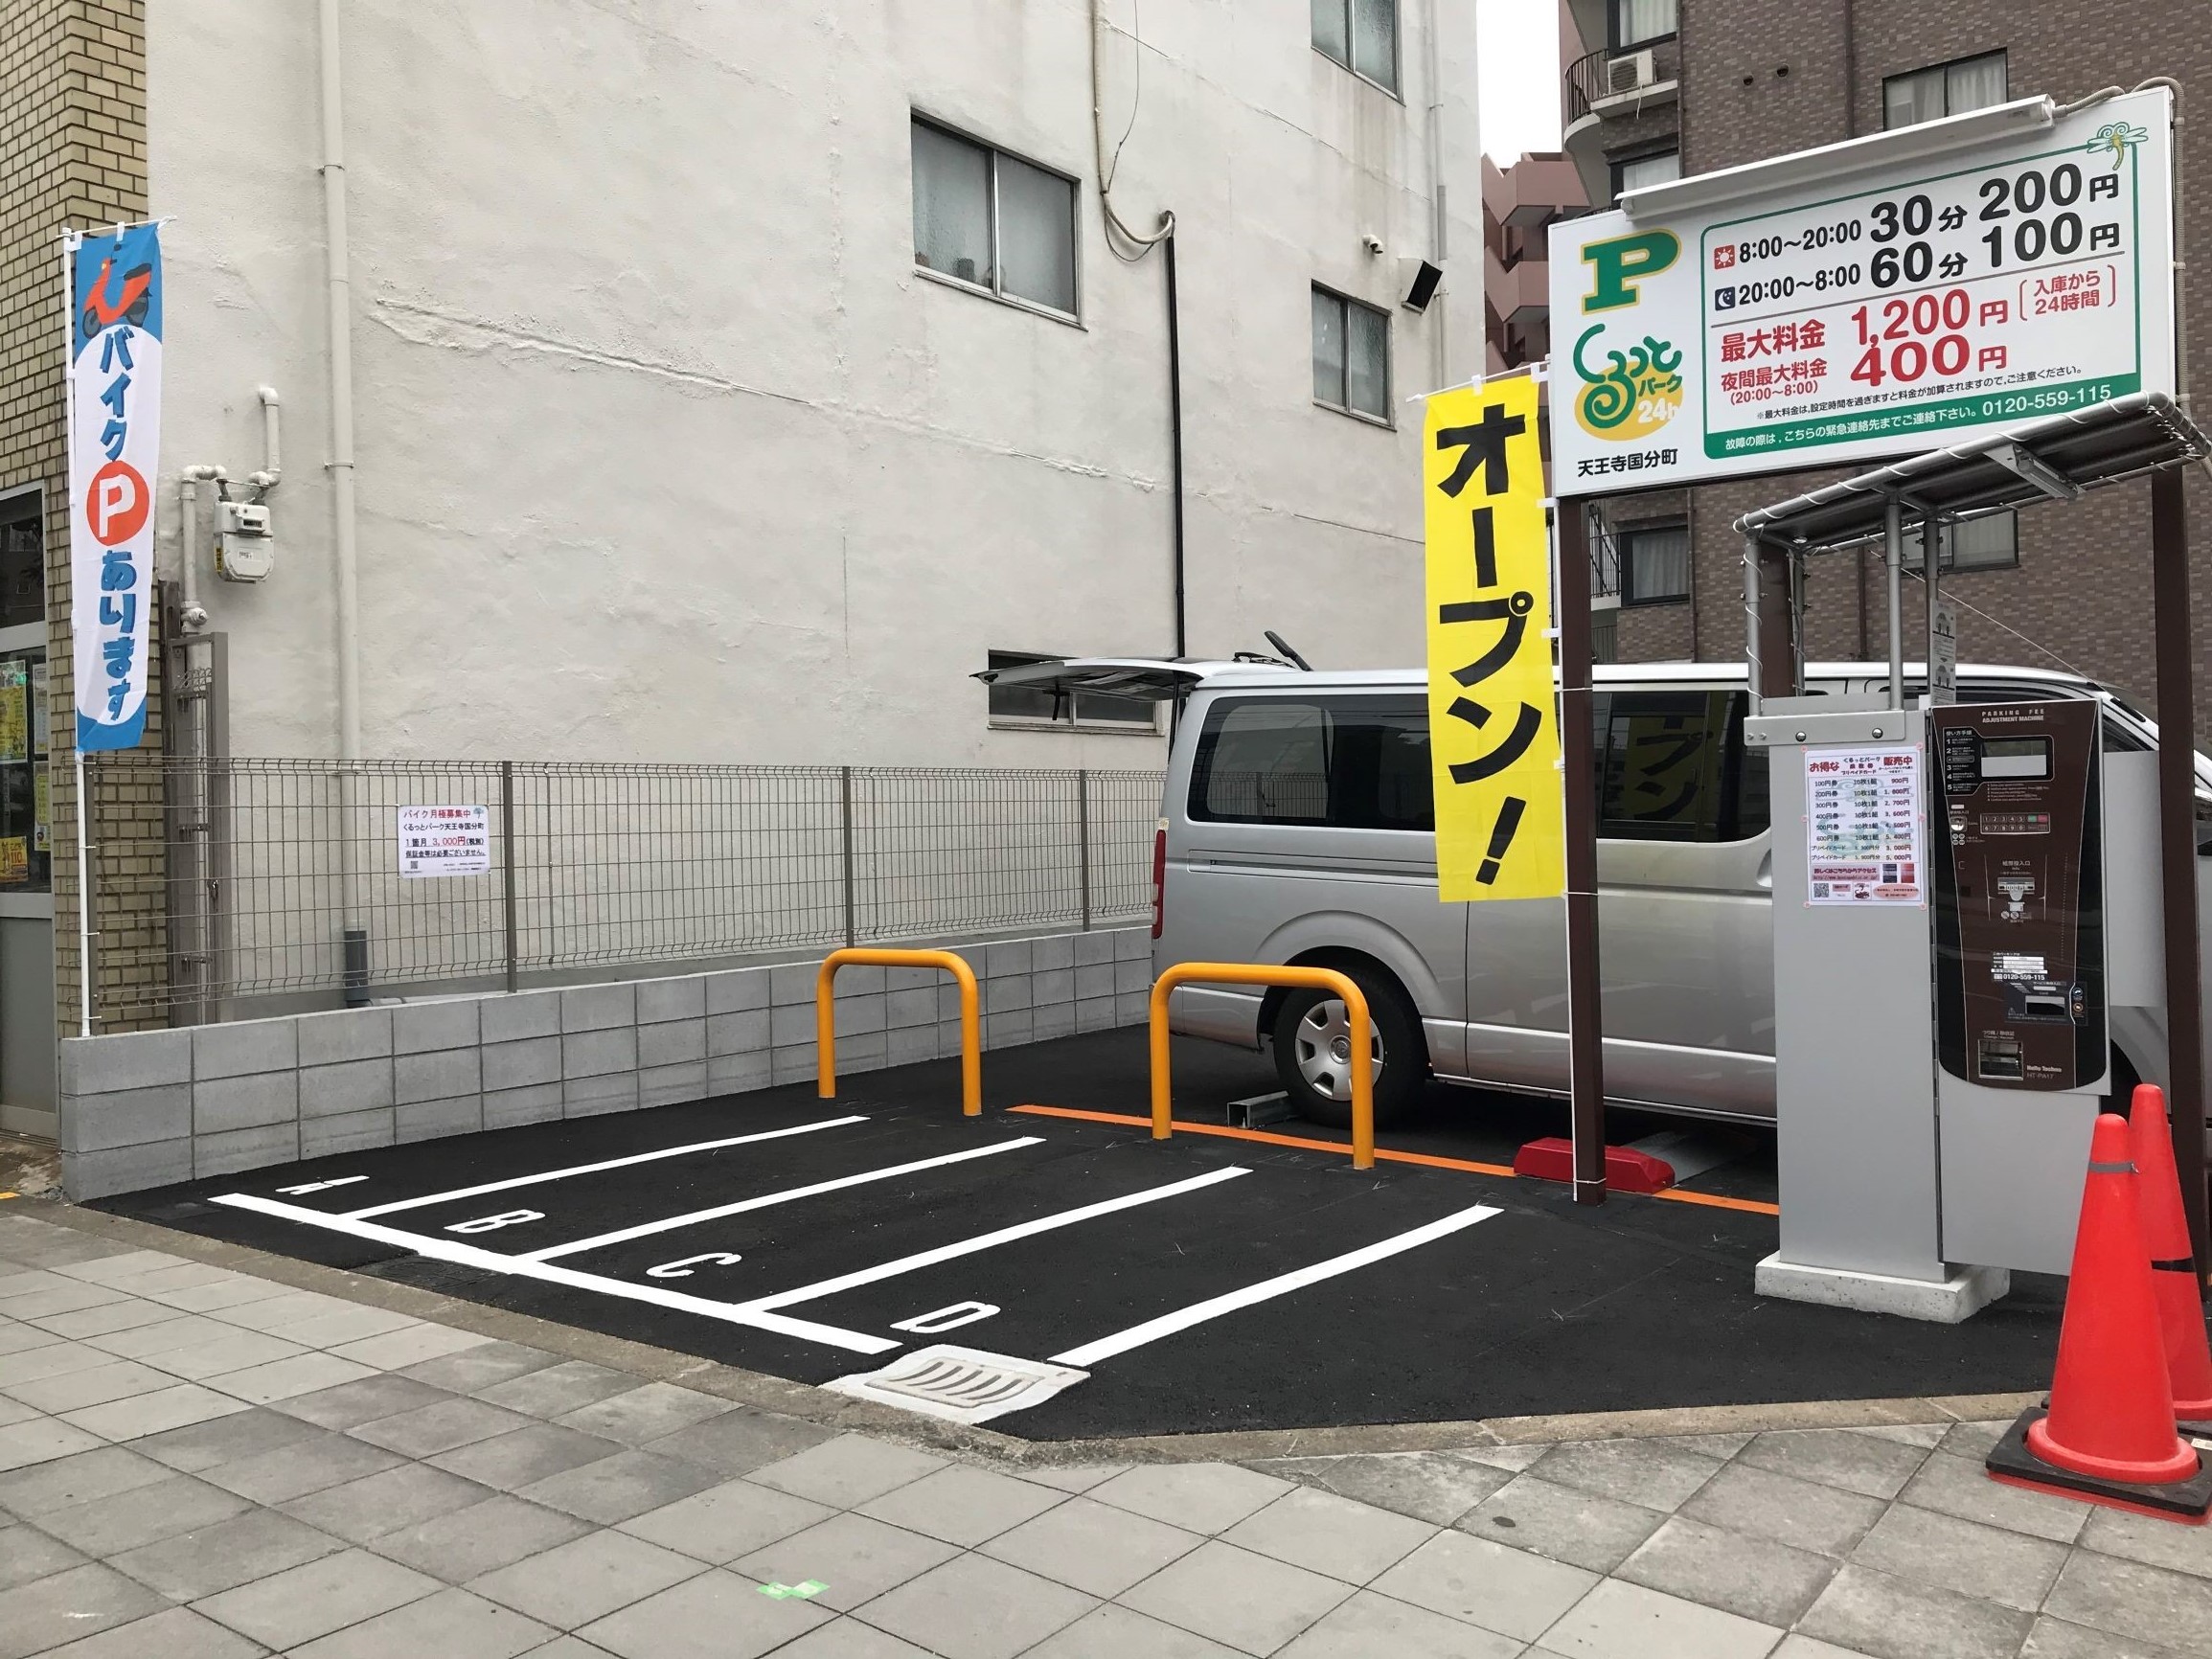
(1658,88)
(1519,205)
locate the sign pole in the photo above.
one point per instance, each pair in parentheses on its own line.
(1585,1014)
(2178,845)
(69,240)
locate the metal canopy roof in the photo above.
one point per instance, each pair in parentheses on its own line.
(2050,460)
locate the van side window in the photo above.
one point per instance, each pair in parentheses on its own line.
(1342,762)
(1672,767)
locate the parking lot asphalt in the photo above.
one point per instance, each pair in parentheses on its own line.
(1210,1283)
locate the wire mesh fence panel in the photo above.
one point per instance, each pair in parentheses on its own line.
(219,884)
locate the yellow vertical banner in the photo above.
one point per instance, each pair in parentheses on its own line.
(1492,711)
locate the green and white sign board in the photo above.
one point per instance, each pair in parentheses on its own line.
(1878,309)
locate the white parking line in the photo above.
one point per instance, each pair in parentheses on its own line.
(1198,1312)
(589,1169)
(989,1241)
(789,1195)
(491,1262)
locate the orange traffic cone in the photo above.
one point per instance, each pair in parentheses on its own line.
(2109,1434)
(2173,1263)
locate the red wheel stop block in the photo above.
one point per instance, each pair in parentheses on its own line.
(1626,1169)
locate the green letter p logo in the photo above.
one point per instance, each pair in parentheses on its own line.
(1623,262)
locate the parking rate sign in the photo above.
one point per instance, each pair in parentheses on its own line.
(1876,314)
(1494,727)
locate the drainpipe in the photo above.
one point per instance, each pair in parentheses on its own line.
(340,466)
(1440,370)
(192,612)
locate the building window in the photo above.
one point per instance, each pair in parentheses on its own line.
(1361,34)
(1660,167)
(1638,21)
(990,219)
(1350,357)
(1654,564)
(1672,767)
(1027,706)
(1988,543)
(1944,89)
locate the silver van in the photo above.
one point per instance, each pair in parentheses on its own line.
(1297,828)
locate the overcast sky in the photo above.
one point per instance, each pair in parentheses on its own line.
(1517,51)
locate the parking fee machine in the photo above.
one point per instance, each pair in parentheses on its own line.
(1967,898)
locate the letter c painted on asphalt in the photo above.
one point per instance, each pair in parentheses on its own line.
(682,1268)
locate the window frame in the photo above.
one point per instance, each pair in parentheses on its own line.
(995,289)
(1616,165)
(1625,539)
(1615,45)
(1949,565)
(1944,67)
(1387,420)
(1396,50)
(998,722)
(1333,704)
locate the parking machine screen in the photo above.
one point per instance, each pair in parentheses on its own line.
(2020,894)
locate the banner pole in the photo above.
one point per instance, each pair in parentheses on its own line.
(76,747)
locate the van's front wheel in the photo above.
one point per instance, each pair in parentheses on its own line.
(1313,1053)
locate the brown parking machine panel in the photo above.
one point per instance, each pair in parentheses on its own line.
(2020,894)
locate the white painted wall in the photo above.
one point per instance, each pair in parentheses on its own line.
(664,450)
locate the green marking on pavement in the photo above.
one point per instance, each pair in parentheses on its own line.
(784,1592)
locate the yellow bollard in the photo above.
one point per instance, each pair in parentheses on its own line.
(1256,973)
(970,1019)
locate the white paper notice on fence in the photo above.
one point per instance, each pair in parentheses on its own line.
(1862,826)
(444,840)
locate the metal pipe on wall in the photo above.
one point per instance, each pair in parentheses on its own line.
(1893,555)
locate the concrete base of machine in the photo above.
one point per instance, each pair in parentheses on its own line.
(1940,1301)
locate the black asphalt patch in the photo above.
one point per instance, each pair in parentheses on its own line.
(1037,1237)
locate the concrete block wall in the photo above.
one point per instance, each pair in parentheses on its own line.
(147,1108)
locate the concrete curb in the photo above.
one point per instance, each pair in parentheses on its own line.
(775,1393)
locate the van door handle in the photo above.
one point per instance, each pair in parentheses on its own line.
(1766,875)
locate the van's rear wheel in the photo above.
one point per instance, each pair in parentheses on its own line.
(1313,1053)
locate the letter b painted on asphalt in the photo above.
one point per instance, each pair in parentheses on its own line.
(492,1223)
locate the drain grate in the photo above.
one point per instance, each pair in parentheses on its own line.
(960,1384)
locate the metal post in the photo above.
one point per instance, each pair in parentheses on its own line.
(83,901)
(845,787)
(1893,555)
(1586,1016)
(1930,558)
(1753,594)
(506,858)
(1796,575)
(1082,837)
(2178,845)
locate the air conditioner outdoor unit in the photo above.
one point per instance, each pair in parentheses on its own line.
(1632,73)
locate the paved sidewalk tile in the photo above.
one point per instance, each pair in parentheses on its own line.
(82,1478)
(438,1427)
(408,1345)
(142,1516)
(367,1509)
(1617,1620)
(90,1385)
(855,1559)
(2141,1538)
(148,1414)
(40,1441)
(1871,1612)
(451,1625)
(1510,1591)
(716,1615)
(1198,1497)
(963,1504)
(225,1439)
(306,1601)
(225,1555)
(462,1544)
(510,1461)
(479,1366)
(1369,1626)
(1966,1556)
(1654,1474)
(739,1441)
(726,1522)
(2057,1639)
(307,1466)
(52,1359)
(1092,1546)
(849,1470)
(850,1639)
(587,1578)
(373,1399)
(179,1633)
(1250,1601)
(614,1488)
(556,1390)
(1954,1485)
(105,1319)
(1581,1528)
(303,1372)
(2129,1598)
(167,1335)
(1799,1514)
(646,1412)
(1326,1534)
(973,1607)
(1755,1578)
(1435,1486)
(221,1356)
(26,1554)
(1838,1457)
(1112,1632)
(67,1607)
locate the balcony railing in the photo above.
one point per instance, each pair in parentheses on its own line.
(1614,80)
